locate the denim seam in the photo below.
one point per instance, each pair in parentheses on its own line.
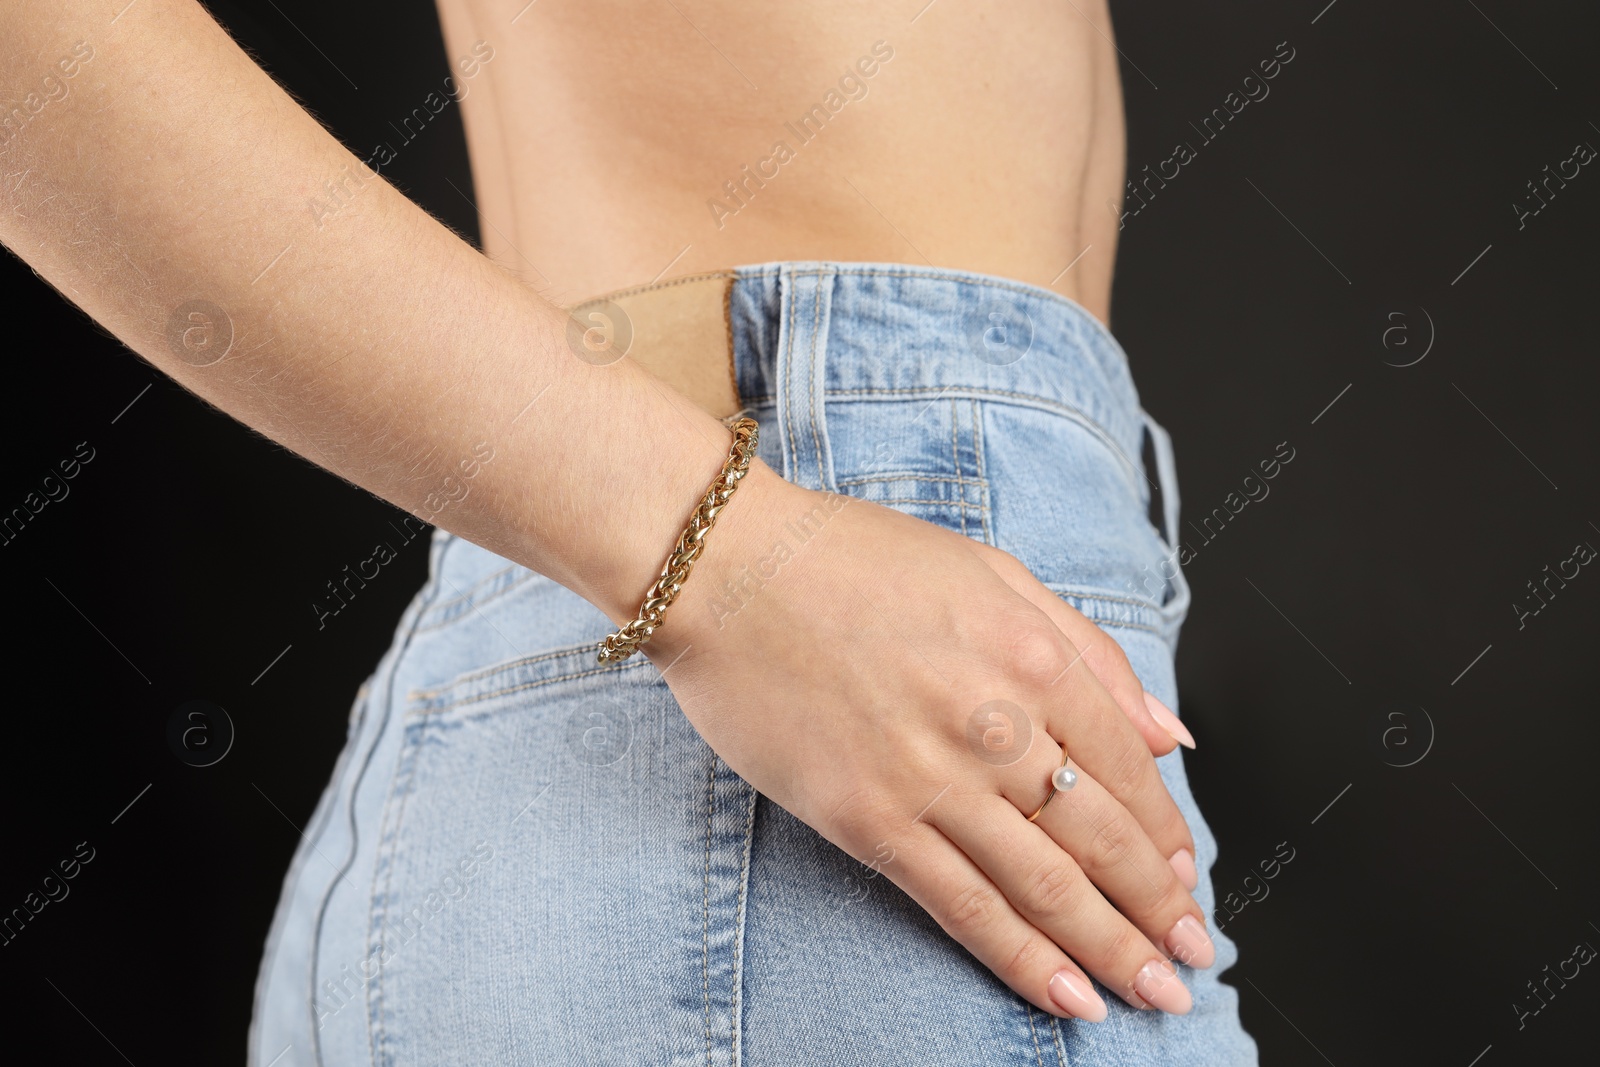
(375,1017)
(705,929)
(414,695)
(426,713)
(983,477)
(1129,626)
(1124,623)
(291,880)
(937,391)
(986,282)
(1161,627)
(1109,599)
(1061,1046)
(738,945)
(424,601)
(962,504)
(618,294)
(977,391)
(955,457)
(910,476)
(788,377)
(1033,1031)
(812,370)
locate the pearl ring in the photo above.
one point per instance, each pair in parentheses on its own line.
(1062,779)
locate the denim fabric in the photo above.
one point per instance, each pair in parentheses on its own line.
(524,857)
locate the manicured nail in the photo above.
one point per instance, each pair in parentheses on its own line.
(1183,866)
(1189,943)
(1168,721)
(1157,982)
(1073,995)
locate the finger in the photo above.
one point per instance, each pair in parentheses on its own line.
(971,909)
(1051,892)
(1078,710)
(1101,654)
(1106,659)
(1113,850)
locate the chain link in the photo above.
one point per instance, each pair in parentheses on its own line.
(626,641)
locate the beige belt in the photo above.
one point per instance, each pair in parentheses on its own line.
(678,330)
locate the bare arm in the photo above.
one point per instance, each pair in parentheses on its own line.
(168,169)
(173,175)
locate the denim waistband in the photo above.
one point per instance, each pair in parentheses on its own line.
(805,333)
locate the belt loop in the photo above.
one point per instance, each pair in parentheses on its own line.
(1166,477)
(806,292)
(1175,607)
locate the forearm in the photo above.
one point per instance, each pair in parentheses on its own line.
(369,339)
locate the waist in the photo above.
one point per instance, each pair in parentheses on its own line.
(916,136)
(794,336)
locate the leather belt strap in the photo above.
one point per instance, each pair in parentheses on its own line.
(678,330)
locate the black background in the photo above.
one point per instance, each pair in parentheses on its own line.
(1358,617)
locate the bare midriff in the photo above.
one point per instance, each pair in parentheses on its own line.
(616,143)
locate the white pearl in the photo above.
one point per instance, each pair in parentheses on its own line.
(1064,778)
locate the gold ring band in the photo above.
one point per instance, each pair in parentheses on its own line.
(1053,789)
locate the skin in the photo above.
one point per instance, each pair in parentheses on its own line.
(991,141)
(338,355)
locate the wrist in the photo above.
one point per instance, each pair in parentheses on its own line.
(618,558)
(732,548)
(765,549)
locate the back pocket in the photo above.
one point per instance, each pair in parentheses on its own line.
(545,816)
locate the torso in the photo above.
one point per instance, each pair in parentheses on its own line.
(603,136)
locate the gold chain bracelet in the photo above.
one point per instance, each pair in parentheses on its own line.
(626,641)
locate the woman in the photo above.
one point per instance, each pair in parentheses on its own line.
(882,785)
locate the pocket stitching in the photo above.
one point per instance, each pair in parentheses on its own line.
(478,698)
(1147,610)
(389,844)
(420,694)
(913,476)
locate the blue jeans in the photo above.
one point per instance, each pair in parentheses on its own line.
(524,857)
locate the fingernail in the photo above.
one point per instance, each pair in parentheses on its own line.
(1073,995)
(1189,943)
(1157,982)
(1168,721)
(1183,866)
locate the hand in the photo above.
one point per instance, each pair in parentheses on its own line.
(850,687)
